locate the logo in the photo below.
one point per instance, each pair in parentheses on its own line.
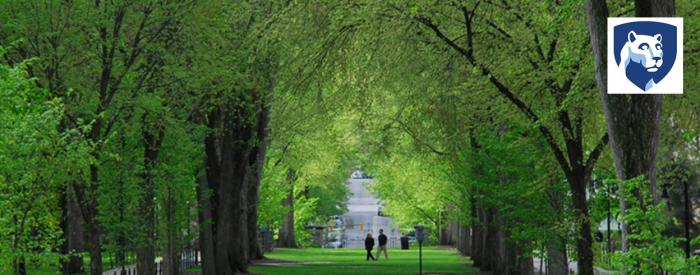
(645,55)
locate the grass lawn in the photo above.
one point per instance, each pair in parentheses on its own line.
(352,261)
(50,264)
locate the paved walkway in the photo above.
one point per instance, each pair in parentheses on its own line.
(573,268)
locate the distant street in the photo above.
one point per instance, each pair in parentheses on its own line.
(362,216)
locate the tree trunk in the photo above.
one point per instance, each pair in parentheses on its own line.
(488,240)
(286,234)
(633,120)
(231,238)
(557,263)
(443,230)
(145,251)
(466,236)
(19,265)
(584,239)
(523,261)
(206,233)
(556,257)
(463,240)
(477,233)
(232,154)
(72,232)
(93,245)
(170,259)
(255,247)
(500,247)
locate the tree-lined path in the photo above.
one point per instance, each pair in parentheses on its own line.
(137,131)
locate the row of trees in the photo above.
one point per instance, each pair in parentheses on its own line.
(146,127)
(151,127)
(492,106)
(152,132)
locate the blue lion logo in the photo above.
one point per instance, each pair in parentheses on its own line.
(646,51)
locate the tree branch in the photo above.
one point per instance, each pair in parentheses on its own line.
(595,154)
(505,91)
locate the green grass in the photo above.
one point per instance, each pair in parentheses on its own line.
(344,261)
(50,264)
(352,261)
(44,270)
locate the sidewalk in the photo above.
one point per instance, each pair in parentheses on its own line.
(130,269)
(573,268)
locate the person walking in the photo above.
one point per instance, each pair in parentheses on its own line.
(382,245)
(369,245)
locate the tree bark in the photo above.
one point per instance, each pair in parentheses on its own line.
(170,253)
(93,245)
(488,240)
(93,232)
(584,239)
(206,233)
(556,257)
(255,248)
(477,233)
(231,227)
(72,231)
(145,252)
(232,154)
(500,247)
(286,234)
(466,237)
(633,120)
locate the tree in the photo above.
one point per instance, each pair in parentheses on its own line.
(30,150)
(99,48)
(633,120)
(468,35)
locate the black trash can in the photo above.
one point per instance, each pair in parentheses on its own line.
(404,243)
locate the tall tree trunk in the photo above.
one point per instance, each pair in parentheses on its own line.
(92,233)
(206,233)
(584,239)
(255,247)
(443,230)
(170,251)
(466,237)
(499,246)
(86,198)
(236,147)
(145,251)
(633,120)
(488,240)
(72,231)
(556,245)
(556,257)
(230,225)
(286,234)
(232,154)
(477,233)
(208,201)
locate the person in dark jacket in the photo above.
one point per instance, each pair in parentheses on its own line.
(369,245)
(382,245)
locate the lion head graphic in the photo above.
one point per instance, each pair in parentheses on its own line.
(645,53)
